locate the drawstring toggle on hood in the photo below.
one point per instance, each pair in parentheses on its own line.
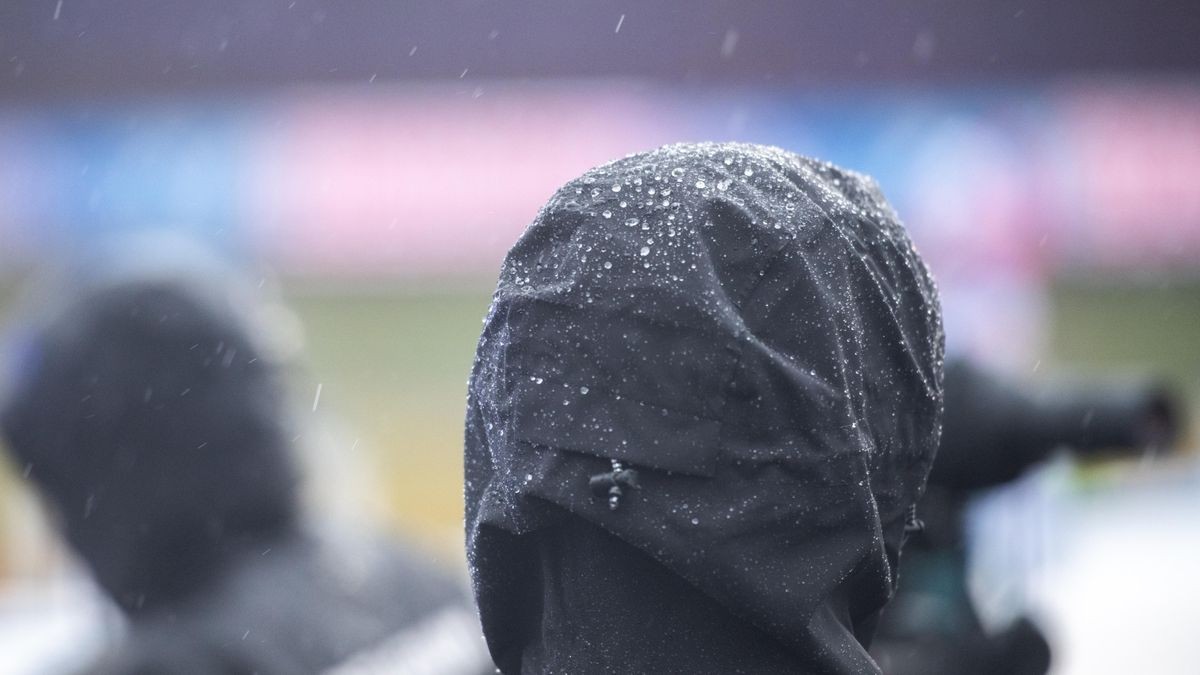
(609,484)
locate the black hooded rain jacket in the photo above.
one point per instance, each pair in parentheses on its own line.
(705,400)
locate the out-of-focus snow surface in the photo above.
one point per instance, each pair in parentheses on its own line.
(1104,560)
(1123,595)
(54,627)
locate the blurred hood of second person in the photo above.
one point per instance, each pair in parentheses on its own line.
(150,413)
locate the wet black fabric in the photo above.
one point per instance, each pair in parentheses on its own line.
(754,336)
(153,421)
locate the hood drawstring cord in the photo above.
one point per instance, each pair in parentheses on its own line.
(913,524)
(610,484)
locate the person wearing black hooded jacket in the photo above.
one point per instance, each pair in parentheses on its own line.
(705,401)
(148,412)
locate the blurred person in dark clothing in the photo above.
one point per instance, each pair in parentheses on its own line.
(705,400)
(995,430)
(148,409)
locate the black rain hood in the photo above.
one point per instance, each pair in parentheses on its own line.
(727,357)
(146,409)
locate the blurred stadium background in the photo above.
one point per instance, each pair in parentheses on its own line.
(379,157)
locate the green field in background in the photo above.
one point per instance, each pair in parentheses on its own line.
(394,366)
(1153,327)
(393,363)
